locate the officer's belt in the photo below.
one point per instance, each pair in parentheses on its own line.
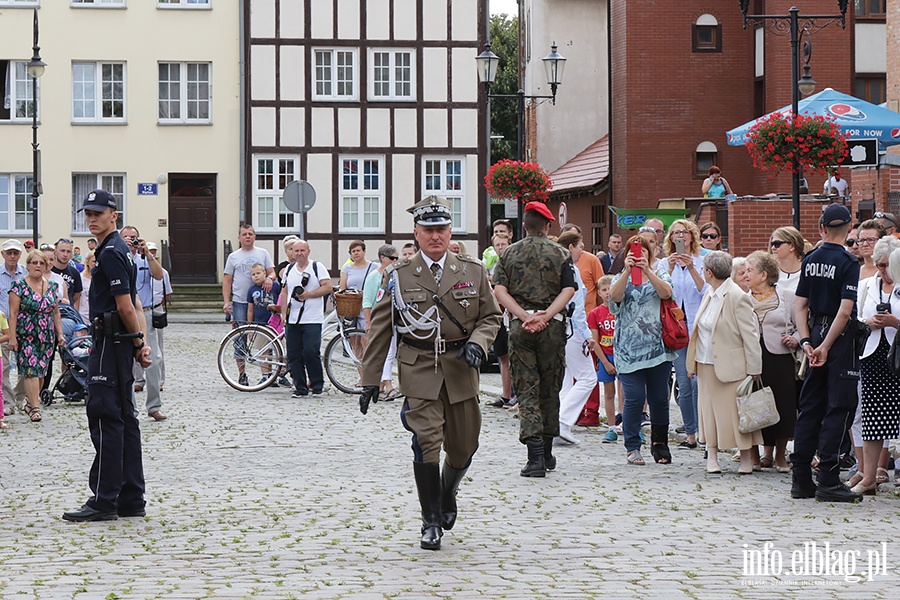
(556,317)
(429,346)
(820,320)
(151,307)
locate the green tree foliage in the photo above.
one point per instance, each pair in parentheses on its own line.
(505,44)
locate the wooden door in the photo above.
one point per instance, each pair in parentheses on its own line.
(192,228)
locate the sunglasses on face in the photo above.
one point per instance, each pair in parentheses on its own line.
(709,236)
(392,257)
(881,265)
(849,242)
(777,243)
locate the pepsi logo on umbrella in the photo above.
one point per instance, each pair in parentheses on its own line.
(847,112)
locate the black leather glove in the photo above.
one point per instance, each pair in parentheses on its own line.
(472,353)
(369,394)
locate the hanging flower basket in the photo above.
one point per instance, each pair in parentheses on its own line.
(816,142)
(523,181)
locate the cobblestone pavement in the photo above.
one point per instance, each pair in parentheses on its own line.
(261,496)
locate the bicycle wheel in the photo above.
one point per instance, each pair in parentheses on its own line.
(250,358)
(341,363)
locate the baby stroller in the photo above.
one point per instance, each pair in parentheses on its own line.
(71,385)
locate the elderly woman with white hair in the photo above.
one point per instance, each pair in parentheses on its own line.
(879,308)
(723,350)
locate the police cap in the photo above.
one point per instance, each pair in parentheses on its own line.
(835,215)
(98,200)
(431,211)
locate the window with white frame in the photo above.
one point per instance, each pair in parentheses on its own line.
(98,92)
(15,203)
(273,173)
(83,184)
(362,194)
(445,177)
(391,74)
(15,90)
(334,71)
(183,3)
(98,3)
(184,92)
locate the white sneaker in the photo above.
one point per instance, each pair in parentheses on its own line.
(565,433)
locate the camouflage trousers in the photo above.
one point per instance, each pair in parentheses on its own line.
(537,363)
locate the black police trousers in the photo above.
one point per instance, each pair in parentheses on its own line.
(827,406)
(117,474)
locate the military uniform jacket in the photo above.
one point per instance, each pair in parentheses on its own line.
(465,292)
(534,270)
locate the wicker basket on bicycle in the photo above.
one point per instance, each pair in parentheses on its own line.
(348,303)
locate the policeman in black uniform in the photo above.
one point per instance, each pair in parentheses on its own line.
(117,475)
(825,313)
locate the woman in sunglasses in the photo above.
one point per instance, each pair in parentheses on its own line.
(710,238)
(788,247)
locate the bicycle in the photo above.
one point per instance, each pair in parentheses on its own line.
(252,356)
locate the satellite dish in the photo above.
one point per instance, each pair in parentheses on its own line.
(299,196)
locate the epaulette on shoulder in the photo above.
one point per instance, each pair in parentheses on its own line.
(403,262)
(470,259)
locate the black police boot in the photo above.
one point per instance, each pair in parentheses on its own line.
(803,486)
(659,444)
(450,478)
(549,459)
(837,493)
(428,484)
(86,513)
(535,466)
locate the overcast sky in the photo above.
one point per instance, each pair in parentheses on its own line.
(509,7)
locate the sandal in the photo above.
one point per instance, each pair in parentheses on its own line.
(661,453)
(879,479)
(382,395)
(854,479)
(766,462)
(635,458)
(3,424)
(392,395)
(34,413)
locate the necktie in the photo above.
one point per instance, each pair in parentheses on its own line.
(436,271)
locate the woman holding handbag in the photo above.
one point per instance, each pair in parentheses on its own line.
(774,307)
(723,350)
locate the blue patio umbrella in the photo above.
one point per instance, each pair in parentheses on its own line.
(858,118)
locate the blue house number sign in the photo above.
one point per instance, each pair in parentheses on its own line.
(148,189)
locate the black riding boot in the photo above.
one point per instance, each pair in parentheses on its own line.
(535,466)
(428,484)
(450,478)
(549,459)
(659,443)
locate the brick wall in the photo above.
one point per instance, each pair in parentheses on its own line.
(752,220)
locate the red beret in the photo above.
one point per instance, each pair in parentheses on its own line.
(541,209)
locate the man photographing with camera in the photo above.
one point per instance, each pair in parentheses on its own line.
(303,294)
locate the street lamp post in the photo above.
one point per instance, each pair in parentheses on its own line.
(35,69)
(554,65)
(805,84)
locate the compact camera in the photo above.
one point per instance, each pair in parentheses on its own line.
(300,289)
(883,308)
(134,241)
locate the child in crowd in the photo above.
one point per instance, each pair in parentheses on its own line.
(261,304)
(602,324)
(4,337)
(408,250)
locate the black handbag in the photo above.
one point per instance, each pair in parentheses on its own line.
(893,357)
(159,320)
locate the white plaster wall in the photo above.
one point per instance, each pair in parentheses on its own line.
(348,19)
(320,250)
(405,18)
(318,169)
(322,127)
(464,20)
(405,127)
(293,72)
(348,127)
(465,128)
(262,18)
(322,25)
(262,72)
(405,193)
(435,127)
(378,19)
(379,127)
(871,48)
(292,24)
(293,126)
(434,26)
(465,77)
(263,125)
(434,68)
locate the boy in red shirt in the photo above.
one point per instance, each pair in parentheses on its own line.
(602,324)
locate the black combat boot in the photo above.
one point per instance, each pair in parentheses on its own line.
(837,493)
(659,444)
(535,466)
(428,484)
(802,485)
(450,478)
(549,459)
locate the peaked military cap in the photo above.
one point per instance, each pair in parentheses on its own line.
(431,211)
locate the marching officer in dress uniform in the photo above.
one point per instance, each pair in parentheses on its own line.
(443,310)
(825,313)
(117,475)
(534,280)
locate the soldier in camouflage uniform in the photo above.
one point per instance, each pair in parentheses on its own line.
(534,280)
